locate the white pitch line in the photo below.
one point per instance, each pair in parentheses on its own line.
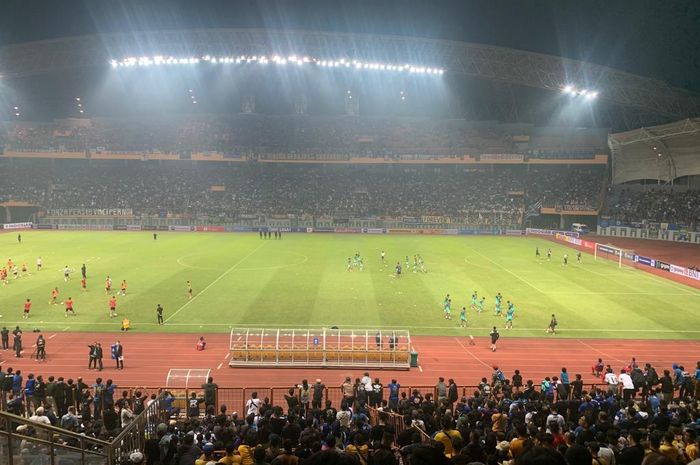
(52,336)
(328,325)
(226,356)
(420,368)
(221,276)
(472,355)
(621,293)
(219,367)
(508,271)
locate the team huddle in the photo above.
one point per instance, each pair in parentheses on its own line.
(478,304)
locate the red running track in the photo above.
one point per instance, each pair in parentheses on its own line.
(148,357)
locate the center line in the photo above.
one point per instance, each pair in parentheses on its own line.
(221,276)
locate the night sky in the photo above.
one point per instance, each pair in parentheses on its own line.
(657,38)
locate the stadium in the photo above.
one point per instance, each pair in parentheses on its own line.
(228,242)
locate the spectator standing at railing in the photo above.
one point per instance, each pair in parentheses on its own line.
(348,391)
(317,397)
(211,390)
(667,387)
(394,388)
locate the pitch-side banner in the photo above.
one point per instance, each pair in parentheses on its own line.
(17,226)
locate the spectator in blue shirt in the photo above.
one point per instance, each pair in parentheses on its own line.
(394,388)
(17,382)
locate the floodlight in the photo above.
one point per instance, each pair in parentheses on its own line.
(568,89)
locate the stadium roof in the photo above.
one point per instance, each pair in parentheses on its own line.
(664,152)
(642,95)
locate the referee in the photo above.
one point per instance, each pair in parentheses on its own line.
(159,313)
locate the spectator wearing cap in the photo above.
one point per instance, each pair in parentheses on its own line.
(40,417)
(136,457)
(207,454)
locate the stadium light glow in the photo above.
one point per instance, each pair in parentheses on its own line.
(573,91)
(160,60)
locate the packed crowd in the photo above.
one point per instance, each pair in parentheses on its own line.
(579,191)
(656,205)
(260,134)
(634,417)
(478,196)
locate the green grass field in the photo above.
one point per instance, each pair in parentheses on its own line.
(301,281)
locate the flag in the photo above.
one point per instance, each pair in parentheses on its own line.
(534,209)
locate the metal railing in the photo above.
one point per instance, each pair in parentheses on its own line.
(23,441)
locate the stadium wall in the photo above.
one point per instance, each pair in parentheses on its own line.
(645,263)
(80,226)
(670,235)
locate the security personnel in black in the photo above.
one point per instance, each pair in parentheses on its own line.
(5,333)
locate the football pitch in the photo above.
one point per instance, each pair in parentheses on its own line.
(240,280)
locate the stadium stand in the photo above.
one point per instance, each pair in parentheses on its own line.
(477,195)
(662,204)
(502,420)
(292,136)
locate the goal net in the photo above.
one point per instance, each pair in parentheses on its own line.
(616,254)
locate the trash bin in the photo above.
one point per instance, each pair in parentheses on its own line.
(414,359)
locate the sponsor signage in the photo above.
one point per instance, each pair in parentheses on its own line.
(678,270)
(17,226)
(89,212)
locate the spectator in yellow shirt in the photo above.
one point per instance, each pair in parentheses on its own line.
(447,434)
(231,458)
(517,444)
(668,449)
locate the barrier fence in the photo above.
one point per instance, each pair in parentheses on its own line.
(235,399)
(24,442)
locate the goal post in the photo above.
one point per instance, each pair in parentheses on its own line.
(616,254)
